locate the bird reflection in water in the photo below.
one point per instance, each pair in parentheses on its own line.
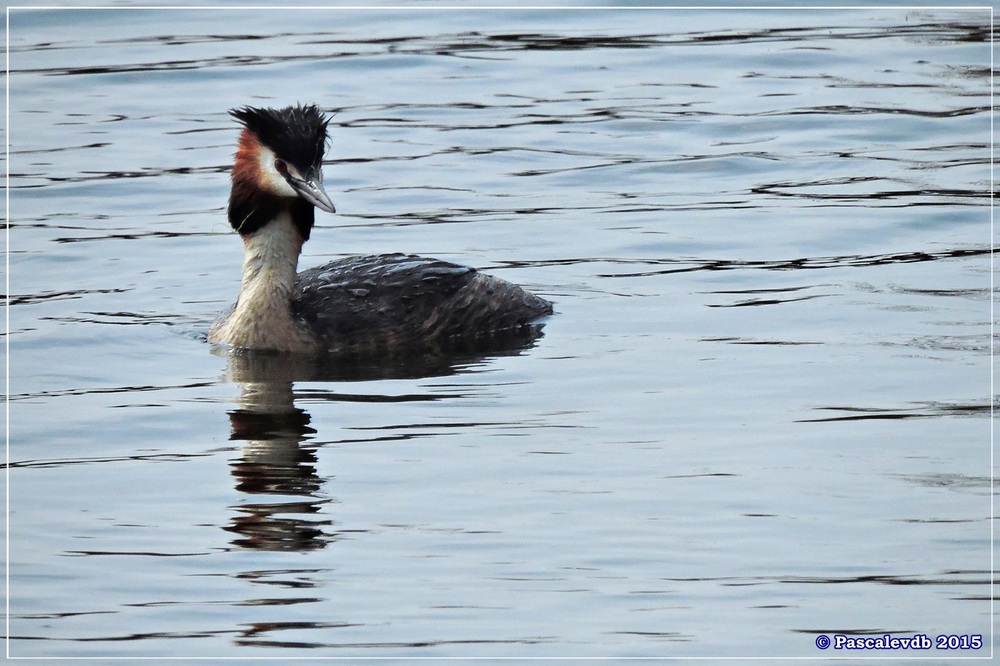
(276,460)
(276,463)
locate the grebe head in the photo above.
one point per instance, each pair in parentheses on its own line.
(278,167)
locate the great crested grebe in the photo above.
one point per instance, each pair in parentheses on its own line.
(361,304)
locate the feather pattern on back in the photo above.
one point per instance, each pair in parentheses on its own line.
(382,302)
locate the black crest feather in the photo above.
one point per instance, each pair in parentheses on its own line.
(297,133)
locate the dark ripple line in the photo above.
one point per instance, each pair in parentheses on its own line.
(805,263)
(955,31)
(172,65)
(168,457)
(766,301)
(113,389)
(122,319)
(919,411)
(950,481)
(60,149)
(843,109)
(779,190)
(99,176)
(752,341)
(375,398)
(136,236)
(141,553)
(878,579)
(25,299)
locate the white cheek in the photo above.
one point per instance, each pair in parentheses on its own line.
(271,180)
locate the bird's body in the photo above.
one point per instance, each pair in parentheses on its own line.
(371,304)
(398,301)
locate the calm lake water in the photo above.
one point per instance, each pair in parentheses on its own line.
(760,415)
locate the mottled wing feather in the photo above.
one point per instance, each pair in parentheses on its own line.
(396,300)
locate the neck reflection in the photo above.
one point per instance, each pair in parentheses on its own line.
(277,471)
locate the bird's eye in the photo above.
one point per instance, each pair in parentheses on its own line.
(281,167)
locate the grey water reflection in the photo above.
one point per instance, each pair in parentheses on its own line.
(277,462)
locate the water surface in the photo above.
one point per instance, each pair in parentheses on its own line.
(759,415)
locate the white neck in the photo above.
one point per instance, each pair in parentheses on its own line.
(262,318)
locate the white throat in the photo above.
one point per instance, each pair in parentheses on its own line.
(262,318)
